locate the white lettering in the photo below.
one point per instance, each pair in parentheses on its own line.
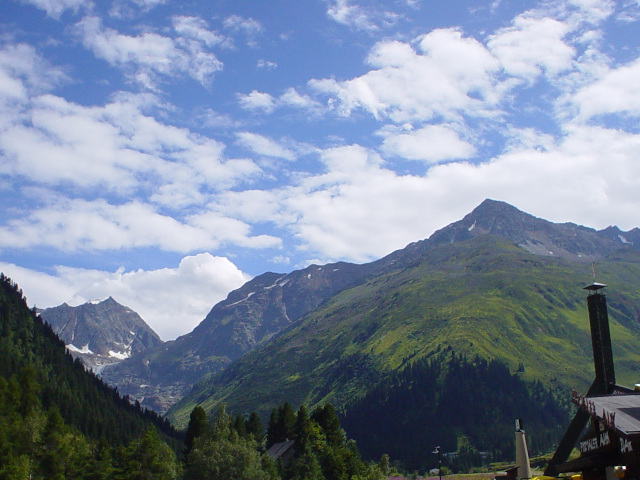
(625,446)
(589,445)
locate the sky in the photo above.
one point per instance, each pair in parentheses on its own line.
(164,152)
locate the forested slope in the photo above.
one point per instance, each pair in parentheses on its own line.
(467,407)
(58,420)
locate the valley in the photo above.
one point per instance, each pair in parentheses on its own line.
(499,286)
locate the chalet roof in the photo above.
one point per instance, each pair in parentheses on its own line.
(277,450)
(626,408)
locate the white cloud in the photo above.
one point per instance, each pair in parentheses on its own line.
(248,26)
(532,46)
(449,75)
(595,11)
(368,18)
(431,143)
(266,64)
(171,300)
(81,225)
(615,92)
(197,29)
(262,145)
(293,98)
(23,72)
(257,101)
(266,103)
(349,14)
(253,206)
(145,56)
(117,148)
(55,8)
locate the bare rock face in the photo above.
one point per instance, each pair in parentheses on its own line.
(101,332)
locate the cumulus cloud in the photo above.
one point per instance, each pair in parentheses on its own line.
(257,101)
(367,18)
(76,225)
(350,14)
(248,26)
(595,11)
(196,28)
(532,46)
(360,210)
(448,74)
(540,100)
(267,103)
(614,92)
(266,64)
(292,98)
(431,143)
(55,8)
(171,300)
(149,55)
(116,147)
(24,72)
(262,145)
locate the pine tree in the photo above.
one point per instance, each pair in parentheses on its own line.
(254,427)
(198,426)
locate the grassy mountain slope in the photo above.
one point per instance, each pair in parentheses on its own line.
(481,296)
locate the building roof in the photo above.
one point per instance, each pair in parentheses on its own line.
(277,450)
(625,408)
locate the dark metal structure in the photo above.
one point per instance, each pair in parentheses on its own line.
(610,447)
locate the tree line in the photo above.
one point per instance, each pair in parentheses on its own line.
(465,406)
(314,447)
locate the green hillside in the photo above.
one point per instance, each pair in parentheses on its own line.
(483,297)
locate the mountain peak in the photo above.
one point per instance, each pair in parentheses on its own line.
(101,331)
(492,208)
(533,234)
(98,301)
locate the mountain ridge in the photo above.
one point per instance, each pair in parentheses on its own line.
(251,315)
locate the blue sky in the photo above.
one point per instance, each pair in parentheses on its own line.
(164,152)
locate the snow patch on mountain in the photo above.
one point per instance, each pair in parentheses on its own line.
(85,348)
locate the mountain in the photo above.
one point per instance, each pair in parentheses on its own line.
(499,285)
(101,332)
(248,317)
(264,306)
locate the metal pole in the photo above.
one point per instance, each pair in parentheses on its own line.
(437,452)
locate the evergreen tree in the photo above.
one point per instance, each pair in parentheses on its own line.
(254,426)
(328,420)
(240,425)
(302,428)
(225,459)
(149,458)
(197,427)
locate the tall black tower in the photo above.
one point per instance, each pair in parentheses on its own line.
(600,340)
(605,380)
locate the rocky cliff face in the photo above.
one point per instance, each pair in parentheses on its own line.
(101,332)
